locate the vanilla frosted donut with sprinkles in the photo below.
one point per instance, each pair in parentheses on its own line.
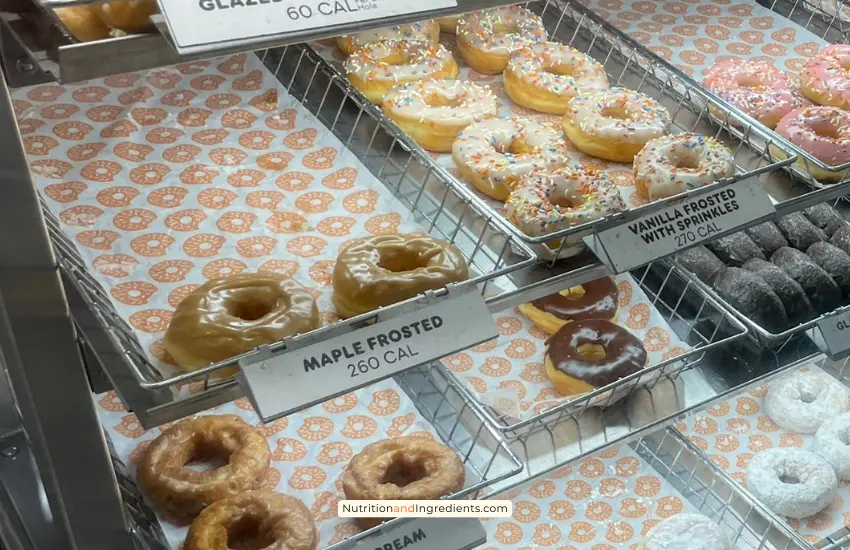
(434,112)
(486,39)
(377,68)
(545,76)
(673,164)
(545,202)
(614,124)
(493,154)
(424,31)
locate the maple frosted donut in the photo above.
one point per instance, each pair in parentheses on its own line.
(434,112)
(231,315)
(615,124)
(792,482)
(691,531)
(825,78)
(377,68)
(548,201)
(760,90)
(130,16)
(494,154)
(83,22)
(424,31)
(802,401)
(597,299)
(823,132)
(379,271)
(673,164)
(448,24)
(545,76)
(486,39)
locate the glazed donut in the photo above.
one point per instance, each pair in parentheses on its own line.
(588,354)
(598,299)
(822,291)
(486,39)
(494,154)
(758,89)
(824,133)
(702,262)
(825,78)
(448,24)
(792,482)
(434,112)
(379,271)
(831,443)
(768,237)
(791,294)
(404,468)
(735,249)
(691,531)
(545,202)
(615,124)
(427,31)
(752,296)
(131,16)
(545,76)
(377,68)
(802,401)
(799,231)
(183,491)
(231,315)
(673,164)
(834,261)
(83,22)
(265,517)
(825,217)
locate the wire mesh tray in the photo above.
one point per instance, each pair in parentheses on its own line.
(627,65)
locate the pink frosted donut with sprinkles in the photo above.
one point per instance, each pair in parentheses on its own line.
(377,68)
(676,163)
(486,39)
(760,90)
(543,203)
(825,78)
(494,154)
(545,76)
(427,31)
(434,112)
(823,132)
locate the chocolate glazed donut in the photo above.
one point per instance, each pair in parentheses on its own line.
(599,301)
(573,372)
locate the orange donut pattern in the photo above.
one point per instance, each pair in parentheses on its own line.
(167,197)
(294,181)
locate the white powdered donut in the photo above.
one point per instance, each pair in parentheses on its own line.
(691,531)
(832,442)
(792,482)
(801,401)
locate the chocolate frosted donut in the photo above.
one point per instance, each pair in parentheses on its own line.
(800,232)
(753,297)
(597,299)
(701,262)
(825,217)
(575,369)
(822,291)
(793,297)
(735,249)
(834,261)
(841,238)
(768,237)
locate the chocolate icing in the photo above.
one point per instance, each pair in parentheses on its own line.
(825,217)
(751,295)
(701,262)
(800,232)
(735,249)
(793,297)
(624,353)
(600,301)
(841,238)
(768,237)
(834,261)
(822,291)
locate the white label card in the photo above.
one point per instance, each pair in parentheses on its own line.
(836,334)
(427,534)
(197,23)
(683,224)
(305,375)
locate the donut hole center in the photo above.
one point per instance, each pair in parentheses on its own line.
(502,29)
(807,397)
(684,161)
(249,311)
(789,479)
(394,59)
(592,352)
(749,81)
(561,70)
(400,261)
(616,111)
(402,473)
(247,533)
(573,293)
(828,131)
(207,456)
(515,147)
(437,100)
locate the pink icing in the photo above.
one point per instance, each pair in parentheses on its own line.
(829,72)
(822,131)
(760,90)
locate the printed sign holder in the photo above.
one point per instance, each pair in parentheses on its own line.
(424,534)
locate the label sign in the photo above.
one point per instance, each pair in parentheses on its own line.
(836,333)
(427,534)
(197,23)
(681,225)
(302,376)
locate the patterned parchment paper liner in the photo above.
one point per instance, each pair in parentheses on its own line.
(309,448)
(508,373)
(732,431)
(168,178)
(605,502)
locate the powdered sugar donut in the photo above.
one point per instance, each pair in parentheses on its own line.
(691,531)
(802,401)
(831,442)
(792,482)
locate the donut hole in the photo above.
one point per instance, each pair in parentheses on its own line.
(592,352)
(402,473)
(828,131)
(394,59)
(561,70)
(248,533)
(789,479)
(249,310)
(617,111)
(503,29)
(686,161)
(438,100)
(515,147)
(807,397)
(749,81)
(401,260)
